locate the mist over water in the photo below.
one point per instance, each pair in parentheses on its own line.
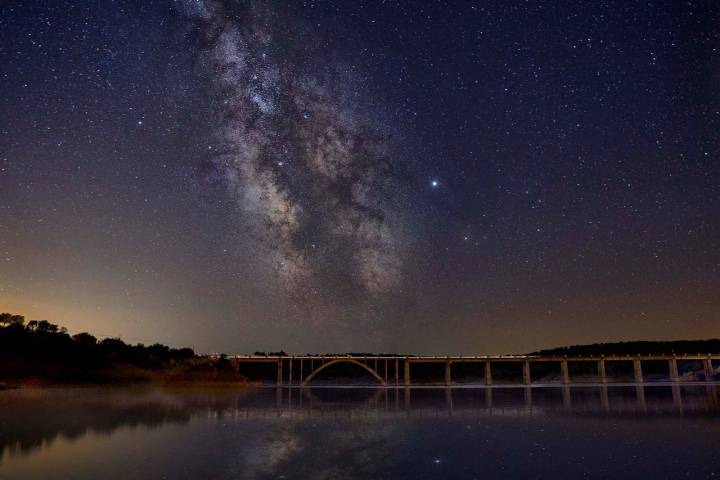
(657,431)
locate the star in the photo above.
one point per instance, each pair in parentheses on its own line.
(434,183)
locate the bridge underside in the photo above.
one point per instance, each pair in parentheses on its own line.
(304,380)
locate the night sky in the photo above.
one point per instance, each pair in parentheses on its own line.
(416,177)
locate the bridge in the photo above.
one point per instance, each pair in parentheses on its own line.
(395,371)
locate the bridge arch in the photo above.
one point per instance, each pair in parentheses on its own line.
(343,360)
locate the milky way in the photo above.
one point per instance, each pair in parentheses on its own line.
(311,176)
(417,177)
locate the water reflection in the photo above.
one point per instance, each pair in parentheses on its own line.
(608,400)
(383,433)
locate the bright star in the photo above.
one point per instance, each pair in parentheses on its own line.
(434,183)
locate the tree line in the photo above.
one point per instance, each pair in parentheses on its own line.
(45,350)
(642,347)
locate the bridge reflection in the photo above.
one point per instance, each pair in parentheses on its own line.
(630,399)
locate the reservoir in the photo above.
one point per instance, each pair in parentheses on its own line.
(149,432)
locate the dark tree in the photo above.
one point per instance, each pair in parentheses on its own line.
(43,326)
(7,319)
(85,338)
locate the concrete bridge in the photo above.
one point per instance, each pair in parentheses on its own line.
(397,371)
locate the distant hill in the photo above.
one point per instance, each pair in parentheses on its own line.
(677,347)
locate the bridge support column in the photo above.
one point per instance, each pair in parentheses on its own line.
(290,372)
(565,371)
(397,372)
(407,373)
(488,373)
(677,398)
(672,364)
(712,396)
(279,372)
(637,367)
(601,371)
(386,372)
(709,373)
(567,399)
(300,382)
(448,375)
(526,373)
(640,392)
(604,398)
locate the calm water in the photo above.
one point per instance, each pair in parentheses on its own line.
(423,433)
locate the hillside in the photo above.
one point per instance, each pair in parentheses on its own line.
(677,347)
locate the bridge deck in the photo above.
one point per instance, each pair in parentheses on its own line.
(477,358)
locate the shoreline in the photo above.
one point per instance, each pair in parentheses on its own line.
(30,384)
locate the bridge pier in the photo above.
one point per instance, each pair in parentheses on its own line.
(712,396)
(526,373)
(677,398)
(604,398)
(448,377)
(290,372)
(640,392)
(279,372)
(672,365)
(407,372)
(567,399)
(709,372)
(565,371)
(488,373)
(637,367)
(397,372)
(601,371)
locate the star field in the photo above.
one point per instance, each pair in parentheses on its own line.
(439,177)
